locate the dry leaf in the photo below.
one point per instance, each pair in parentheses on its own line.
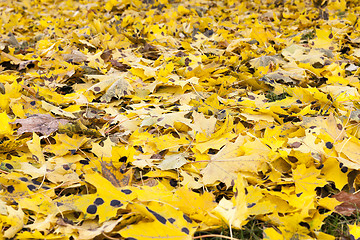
(40,123)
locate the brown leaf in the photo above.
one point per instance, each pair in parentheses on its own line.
(119,66)
(41,123)
(106,55)
(119,177)
(106,173)
(149,51)
(351,203)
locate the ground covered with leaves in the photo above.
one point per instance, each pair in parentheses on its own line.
(169,120)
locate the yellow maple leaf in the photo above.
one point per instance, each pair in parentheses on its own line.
(5,127)
(307,179)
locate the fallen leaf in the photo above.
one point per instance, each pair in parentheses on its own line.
(40,123)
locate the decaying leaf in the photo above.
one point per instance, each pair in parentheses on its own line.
(40,123)
(350,203)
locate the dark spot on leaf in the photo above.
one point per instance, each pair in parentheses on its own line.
(250,205)
(240,99)
(329,145)
(187,61)
(187,218)
(116,203)
(185,230)
(91,209)
(157,216)
(312,127)
(31,187)
(98,201)
(72,151)
(298,101)
(339,126)
(299,194)
(212,151)
(190,69)
(45,187)
(331,35)
(171,220)
(66,167)
(10,189)
(123,159)
(85,162)
(344,169)
(320,166)
(9,166)
(331,48)
(341,165)
(59,204)
(36,182)
(139,148)
(24,179)
(126,191)
(251,97)
(97,89)
(173,182)
(32,103)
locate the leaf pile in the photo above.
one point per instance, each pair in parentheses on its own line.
(157,119)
